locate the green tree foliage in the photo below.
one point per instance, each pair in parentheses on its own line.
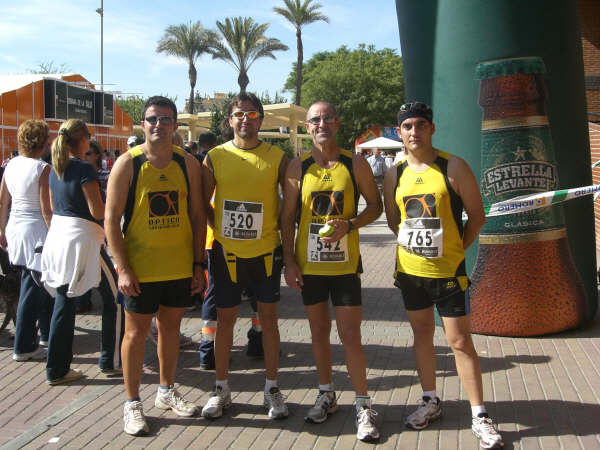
(243,43)
(133,106)
(188,41)
(365,85)
(299,14)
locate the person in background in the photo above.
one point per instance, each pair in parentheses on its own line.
(377,163)
(389,160)
(206,141)
(24,189)
(94,157)
(74,260)
(191,147)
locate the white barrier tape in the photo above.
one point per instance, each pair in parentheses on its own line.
(529,202)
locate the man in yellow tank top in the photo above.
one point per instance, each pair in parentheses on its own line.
(424,196)
(328,181)
(159,253)
(245,174)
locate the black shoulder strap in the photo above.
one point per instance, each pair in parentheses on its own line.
(179,159)
(455,200)
(399,171)
(138,161)
(347,161)
(305,165)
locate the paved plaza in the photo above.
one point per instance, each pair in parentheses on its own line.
(544,392)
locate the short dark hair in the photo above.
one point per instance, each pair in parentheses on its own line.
(207,139)
(322,102)
(190,146)
(246,97)
(96,146)
(159,100)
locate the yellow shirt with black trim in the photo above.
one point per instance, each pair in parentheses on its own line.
(246,198)
(157,229)
(428,194)
(327,194)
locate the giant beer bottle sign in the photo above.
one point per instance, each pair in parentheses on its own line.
(517,152)
(524,281)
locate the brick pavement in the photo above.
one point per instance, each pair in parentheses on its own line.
(544,392)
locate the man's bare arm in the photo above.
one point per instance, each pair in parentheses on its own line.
(464,183)
(293,276)
(116,199)
(197,214)
(392,213)
(208,187)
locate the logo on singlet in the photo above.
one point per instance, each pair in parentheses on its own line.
(419,180)
(327,177)
(327,203)
(163,209)
(422,205)
(163,177)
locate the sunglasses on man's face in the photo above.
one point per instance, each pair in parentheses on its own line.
(317,119)
(249,114)
(165,120)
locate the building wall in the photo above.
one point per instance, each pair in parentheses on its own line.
(590,37)
(27,103)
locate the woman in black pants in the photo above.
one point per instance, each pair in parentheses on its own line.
(73,261)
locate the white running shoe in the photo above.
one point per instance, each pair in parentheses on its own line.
(36,355)
(325,404)
(218,401)
(275,404)
(173,400)
(486,432)
(134,420)
(428,411)
(366,426)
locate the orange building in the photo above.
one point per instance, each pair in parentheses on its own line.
(56,98)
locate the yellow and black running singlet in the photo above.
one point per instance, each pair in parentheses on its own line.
(246,198)
(157,229)
(327,194)
(430,233)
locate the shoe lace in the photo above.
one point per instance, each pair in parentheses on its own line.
(277,399)
(136,411)
(486,425)
(322,401)
(178,399)
(366,416)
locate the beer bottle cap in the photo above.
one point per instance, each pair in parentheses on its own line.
(510,66)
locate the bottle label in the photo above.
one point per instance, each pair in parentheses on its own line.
(518,161)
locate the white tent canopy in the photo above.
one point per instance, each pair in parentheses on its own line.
(381,142)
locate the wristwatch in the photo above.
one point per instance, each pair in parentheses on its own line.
(350,227)
(202,264)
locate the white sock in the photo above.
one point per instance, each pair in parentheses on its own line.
(431,394)
(223,384)
(476,410)
(363,400)
(325,387)
(270,384)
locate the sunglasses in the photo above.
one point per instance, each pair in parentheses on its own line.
(165,120)
(415,106)
(317,120)
(241,114)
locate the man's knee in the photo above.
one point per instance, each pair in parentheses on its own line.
(461,343)
(350,336)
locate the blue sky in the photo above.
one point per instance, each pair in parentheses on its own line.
(68,31)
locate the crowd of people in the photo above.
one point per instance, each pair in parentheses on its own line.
(224,222)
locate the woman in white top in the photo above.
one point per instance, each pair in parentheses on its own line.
(25,186)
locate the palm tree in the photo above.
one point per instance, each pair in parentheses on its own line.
(187,41)
(299,14)
(245,42)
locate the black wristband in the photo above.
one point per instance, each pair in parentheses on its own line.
(350,227)
(201,264)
